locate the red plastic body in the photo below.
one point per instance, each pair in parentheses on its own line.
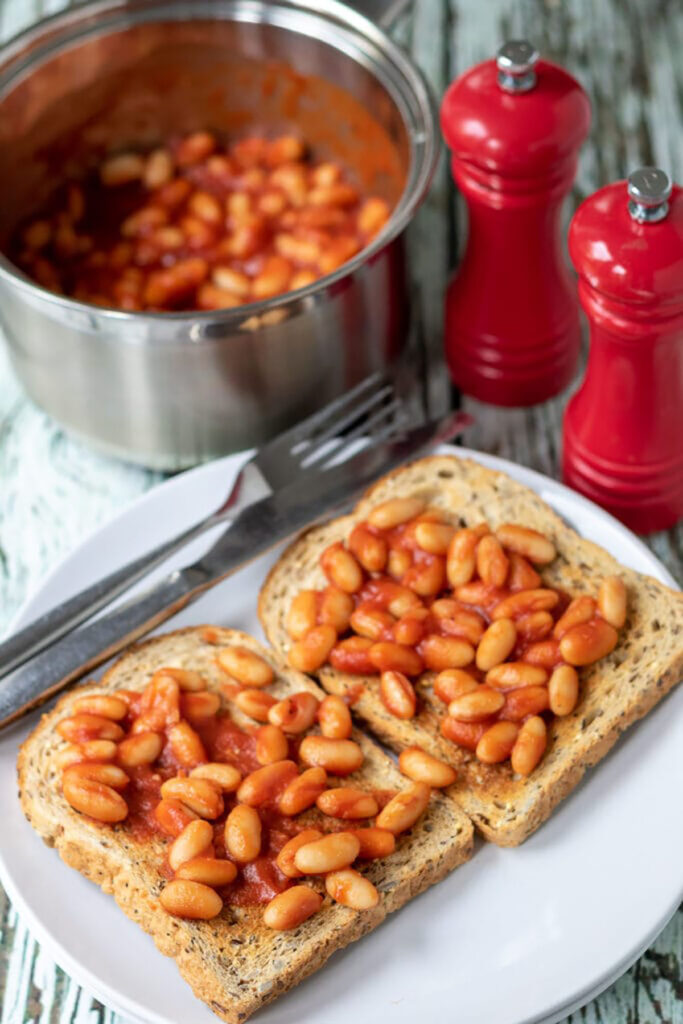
(623,430)
(512,333)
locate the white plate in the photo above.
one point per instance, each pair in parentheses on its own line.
(513,936)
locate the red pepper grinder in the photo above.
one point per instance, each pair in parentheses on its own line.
(623,430)
(514,125)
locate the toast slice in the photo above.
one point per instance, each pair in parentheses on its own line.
(234,963)
(615,692)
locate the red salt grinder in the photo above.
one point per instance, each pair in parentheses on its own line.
(623,430)
(514,125)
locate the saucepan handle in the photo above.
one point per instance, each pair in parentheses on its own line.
(383,12)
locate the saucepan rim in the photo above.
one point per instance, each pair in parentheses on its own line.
(347,30)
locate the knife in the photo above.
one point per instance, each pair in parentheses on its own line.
(256,529)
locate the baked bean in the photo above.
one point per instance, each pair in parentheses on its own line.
(612,601)
(351,889)
(205,206)
(195,838)
(158,169)
(404,809)
(390,657)
(545,653)
(312,651)
(191,900)
(370,550)
(38,234)
(173,194)
(143,221)
(338,194)
(373,215)
(334,718)
(103,705)
(529,746)
(524,602)
(410,629)
(209,871)
(143,748)
(420,766)
(497,742)
(336,608)
(522,575)
(428,579)
(94,799)
(587,643)
(105,773)
(172,816)
(122,169)
(563,690)
(581,609)
(198,708)
(341,568)
(465,734)
(159,704)
(399,561)
(266,784)
(442,652)
(333,851)
(339,757)
(347,802)
(397,599)
(273,279)
(188,680)
(225,776)
(271,744)
(200,795)
(457,621)
(296,713)
(170,286)
(248,668)
(243,833)
(255,703)
(394,512)
(298,250)
(512,675)
(434,537)
(374,842)
(92,750)
(496,644)
(232,281)
(325,174)
(291,908)
(369,621)
(285,858)
(535,626)
(526,542)
(397,694)
(480,594)
(477,705)
(519,704)
(352,656)
(452,683)
(303,791)
(492,562)
(303,614)
(195,148)
(461,557)
(81,727)
(186,746)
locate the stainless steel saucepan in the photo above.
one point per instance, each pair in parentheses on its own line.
(171,389)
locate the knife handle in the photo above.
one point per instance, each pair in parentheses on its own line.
(78,653)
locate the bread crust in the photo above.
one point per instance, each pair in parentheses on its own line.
(233,963)
(615,693)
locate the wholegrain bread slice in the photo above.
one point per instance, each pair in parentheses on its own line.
(233,962)
(615,692)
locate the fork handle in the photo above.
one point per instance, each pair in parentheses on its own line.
(82,651)
(60,620)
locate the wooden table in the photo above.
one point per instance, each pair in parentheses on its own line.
(54,491)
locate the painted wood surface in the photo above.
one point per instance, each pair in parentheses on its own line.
(54,491)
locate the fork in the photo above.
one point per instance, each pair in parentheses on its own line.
(296,454)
